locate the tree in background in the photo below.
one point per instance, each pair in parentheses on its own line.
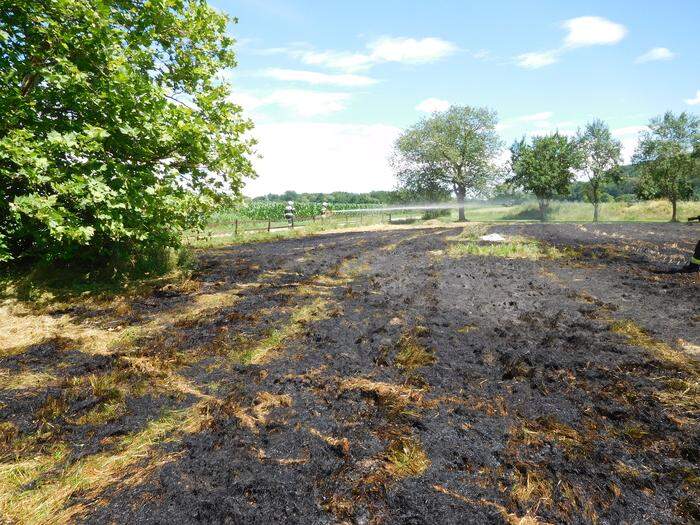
(115,134)
(600,159)
(508,194)
(545,167)
(665,158)
(426,188)
(454,150)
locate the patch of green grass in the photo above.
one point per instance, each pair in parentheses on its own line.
(411,355)
(514,249)
(656,210)
(222,231)
(44,284)
(406,457)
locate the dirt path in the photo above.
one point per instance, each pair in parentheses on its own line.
(380,377)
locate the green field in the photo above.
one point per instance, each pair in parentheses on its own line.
(643,211)
(221,229)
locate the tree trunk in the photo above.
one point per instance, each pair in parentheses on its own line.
(544,208)
(596,204)
(674,205)
(461,193)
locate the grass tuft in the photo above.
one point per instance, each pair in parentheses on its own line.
(406,458)
(396,398)
(412,355)
(51,409)
(8,432)
(256,415)
(530,487)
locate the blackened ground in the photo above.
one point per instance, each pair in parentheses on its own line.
(554,390)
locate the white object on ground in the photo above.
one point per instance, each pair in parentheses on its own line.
(493,237)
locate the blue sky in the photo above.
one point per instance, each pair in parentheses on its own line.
(330,84)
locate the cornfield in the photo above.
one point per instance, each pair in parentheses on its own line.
(274,211)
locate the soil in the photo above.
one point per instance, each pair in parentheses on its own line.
(527,400)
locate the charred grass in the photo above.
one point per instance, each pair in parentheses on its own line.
(355,384)
(80,386)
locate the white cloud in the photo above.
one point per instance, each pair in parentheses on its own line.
(539,120)
(431,105)
(694,101)
(385,49)
(410,50)
(581,32)
(538,124)
(322,157)
(335,59)
(310,103)
(247,101)
(536,60)
(592,31)
(535,117)
(627,131)
(654,54)
(301,102)
(312,77)
(548,128)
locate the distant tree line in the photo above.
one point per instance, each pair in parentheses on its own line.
(397,196)
(456,151)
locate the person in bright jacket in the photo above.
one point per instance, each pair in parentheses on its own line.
(693,265)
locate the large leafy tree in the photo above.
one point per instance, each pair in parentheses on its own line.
(115,134)
(546,167)
(665,157)
(600,159)
(427,187)
(454,150)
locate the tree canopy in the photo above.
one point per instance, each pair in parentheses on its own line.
(115,134)
(454,150)
(601,155)
(546,167)
(666,157)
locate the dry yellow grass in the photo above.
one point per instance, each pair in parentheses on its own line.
(256,415)
(262,350)
(638,336)
(341,444)
(49,502)
(510,517)
(396,398)
(531,487)
(547,431)
(39,488)
(24,380)
(411,355)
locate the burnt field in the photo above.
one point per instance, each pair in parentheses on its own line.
(398,376)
